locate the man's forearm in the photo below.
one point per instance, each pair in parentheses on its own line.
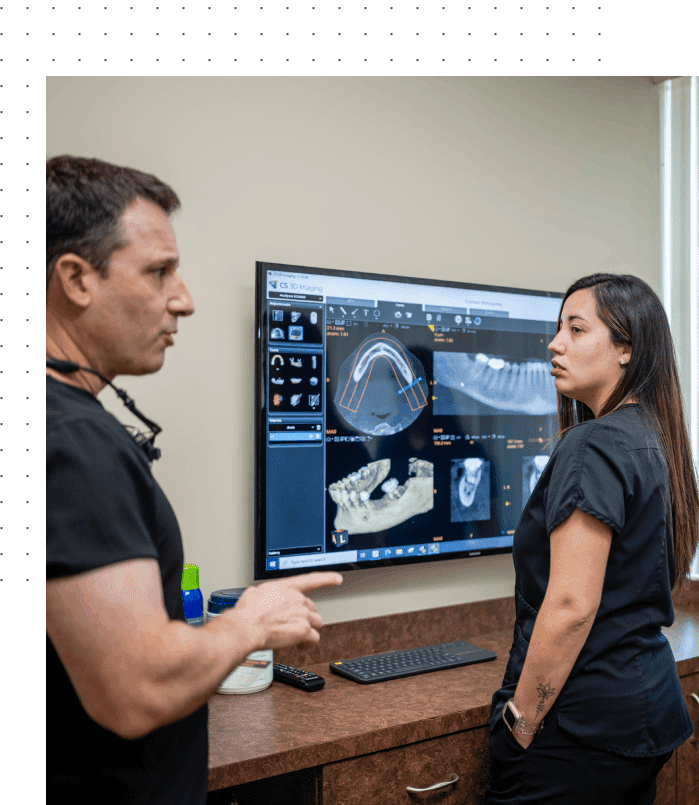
(135,670)
(181,670)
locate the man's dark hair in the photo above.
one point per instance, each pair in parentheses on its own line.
(84,202)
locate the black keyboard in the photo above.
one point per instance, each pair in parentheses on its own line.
(411,661)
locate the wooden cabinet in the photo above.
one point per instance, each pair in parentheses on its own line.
(688,754)
(384,777)
(380,778)
(667,783)
(678,782)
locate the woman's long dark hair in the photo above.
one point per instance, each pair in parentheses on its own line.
(635,316)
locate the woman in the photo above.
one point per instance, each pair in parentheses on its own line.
(591,706)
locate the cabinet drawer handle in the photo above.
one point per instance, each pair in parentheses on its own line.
(454,779)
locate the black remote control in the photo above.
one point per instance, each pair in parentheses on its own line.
(298,678)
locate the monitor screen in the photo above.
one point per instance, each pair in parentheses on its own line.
(397,420)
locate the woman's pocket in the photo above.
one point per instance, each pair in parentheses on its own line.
(504,741)
(518,654)
(514,744)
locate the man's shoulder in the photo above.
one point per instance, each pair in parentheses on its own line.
(62,398)
(69,408)
(77,423)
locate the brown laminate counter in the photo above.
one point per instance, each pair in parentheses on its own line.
(283,729)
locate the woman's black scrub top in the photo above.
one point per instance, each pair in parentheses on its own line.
(623,693)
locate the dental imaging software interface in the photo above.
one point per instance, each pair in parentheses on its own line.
(399,419)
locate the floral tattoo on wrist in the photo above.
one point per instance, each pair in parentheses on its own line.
(545,693)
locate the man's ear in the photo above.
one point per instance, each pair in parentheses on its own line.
(74,277)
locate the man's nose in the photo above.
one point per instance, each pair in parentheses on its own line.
(182,303)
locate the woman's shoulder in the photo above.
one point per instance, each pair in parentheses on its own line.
(622,430)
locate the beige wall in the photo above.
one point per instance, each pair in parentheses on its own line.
(527,182)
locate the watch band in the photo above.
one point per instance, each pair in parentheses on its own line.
(519,725)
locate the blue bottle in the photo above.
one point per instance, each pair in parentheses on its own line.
(192,598)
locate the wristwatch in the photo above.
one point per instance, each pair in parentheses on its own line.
(515,723)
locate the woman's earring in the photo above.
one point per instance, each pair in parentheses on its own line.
(622,361)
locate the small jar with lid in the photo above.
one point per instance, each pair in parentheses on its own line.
(256,671)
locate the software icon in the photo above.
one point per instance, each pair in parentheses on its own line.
(340,538)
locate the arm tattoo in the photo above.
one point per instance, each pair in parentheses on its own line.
(545,692)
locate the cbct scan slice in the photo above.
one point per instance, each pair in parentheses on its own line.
(532,467)
(381,387)
(470,490)
(478,384)
(357,513)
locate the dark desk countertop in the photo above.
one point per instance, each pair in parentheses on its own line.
(283,729)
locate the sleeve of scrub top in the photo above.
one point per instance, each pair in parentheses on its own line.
(590,475)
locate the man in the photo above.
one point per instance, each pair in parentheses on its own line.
(127,678)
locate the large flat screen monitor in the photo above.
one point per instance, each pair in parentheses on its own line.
(397,420)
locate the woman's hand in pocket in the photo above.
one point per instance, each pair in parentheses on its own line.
(523,740)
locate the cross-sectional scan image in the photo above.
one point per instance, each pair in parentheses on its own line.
(477,384)
(532,467)
(359,513)
(381,387)
(470,489)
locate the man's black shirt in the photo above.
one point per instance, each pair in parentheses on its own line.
(103,506)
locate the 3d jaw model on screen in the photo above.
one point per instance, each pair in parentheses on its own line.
(381,387)
(358,514)
(521,388)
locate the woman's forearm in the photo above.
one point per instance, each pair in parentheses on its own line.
(558,637)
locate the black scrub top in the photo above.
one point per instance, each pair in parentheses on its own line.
(623,693)
(104,506)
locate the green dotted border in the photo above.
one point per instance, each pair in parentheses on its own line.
(222,37)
